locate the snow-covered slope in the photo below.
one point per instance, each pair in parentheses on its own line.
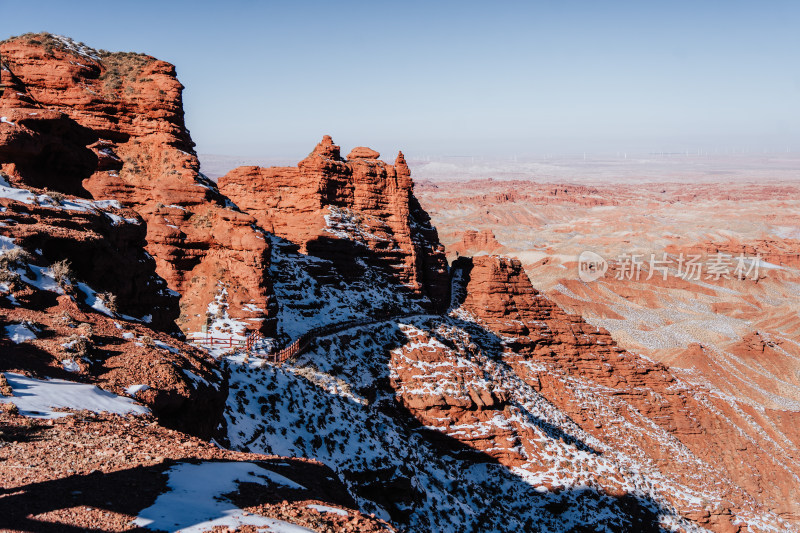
(434,424)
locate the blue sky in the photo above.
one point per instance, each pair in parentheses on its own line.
(268,79)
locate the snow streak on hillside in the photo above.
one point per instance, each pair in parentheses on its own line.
(336,404)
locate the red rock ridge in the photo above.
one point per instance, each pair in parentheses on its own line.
(783,252)
(499,294)
(327,200)
(69,477)
(105,249)
(110,126)
(474,242)
(117,340)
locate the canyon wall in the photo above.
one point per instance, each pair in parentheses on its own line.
(110,126)
(358,208)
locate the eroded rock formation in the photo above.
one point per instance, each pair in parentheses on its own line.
(474,243)
(86,304)
(104,246)
(355,209)
(110,126)
(562,357)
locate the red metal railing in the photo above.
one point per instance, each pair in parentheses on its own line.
(302,343)
(211,341)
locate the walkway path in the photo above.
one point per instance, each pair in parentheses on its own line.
(301,344)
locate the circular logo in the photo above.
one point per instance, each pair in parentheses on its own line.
(591,266)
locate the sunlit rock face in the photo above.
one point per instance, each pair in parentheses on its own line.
(349,210)
(110,126)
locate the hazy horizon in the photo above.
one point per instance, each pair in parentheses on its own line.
(570,168)
(267,79)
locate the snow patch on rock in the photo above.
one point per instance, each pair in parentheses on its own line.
(37,398)
(195,500)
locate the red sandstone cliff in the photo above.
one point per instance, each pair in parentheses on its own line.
(104,316)
(780,252)
(110,126)
(359,207)
(473,243)
(480,387)
(559,354)
(104,245)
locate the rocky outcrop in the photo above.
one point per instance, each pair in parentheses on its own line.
(48,148)
(348,210)
(577,357)
(73,471)
(474,243)
(110,126)
(362,152)
(103,244)
(497,290)
(76,281)
(781,252)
